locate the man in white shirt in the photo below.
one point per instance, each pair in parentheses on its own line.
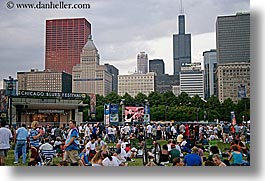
(126,129)
(149,130)
(110,135)
(120,153)
(91,148)
(5,136)
(46,145)
(87,131)
(174,132)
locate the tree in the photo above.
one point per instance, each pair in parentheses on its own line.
(243,109)
(154,99)
(196,101)
(100,100)
(157,113)
(129,100)
(169,99)
(140,97)
(213,103)
(184,99)
(100,113)
(113,97)
(226,109)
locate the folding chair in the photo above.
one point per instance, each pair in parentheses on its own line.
(46,157)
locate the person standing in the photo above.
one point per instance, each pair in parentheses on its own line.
(20,139)
(34,138)
(72,145)
(5,136)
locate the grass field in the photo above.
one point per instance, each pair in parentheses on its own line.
(137,162)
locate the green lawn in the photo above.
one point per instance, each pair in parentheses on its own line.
(138,161)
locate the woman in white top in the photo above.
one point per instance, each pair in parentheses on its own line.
(97,159)
(110,160)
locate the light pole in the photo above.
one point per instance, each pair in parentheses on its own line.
(204,111)
(11,90)
(122,103)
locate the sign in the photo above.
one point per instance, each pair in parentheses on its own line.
(233,118)
(111,113)
(114,113)
(51,111)
(63,95)
(134,114)
(10,87)
(241,91)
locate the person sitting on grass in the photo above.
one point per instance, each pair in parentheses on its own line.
(237,157)
(177,162)
(46,145)
(217,161)
(193,159)
(164,154)
(84,158)
(213,150)
(174,153)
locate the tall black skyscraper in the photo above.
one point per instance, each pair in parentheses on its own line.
(157,66)
(114,73)
(233,38)
(181,45)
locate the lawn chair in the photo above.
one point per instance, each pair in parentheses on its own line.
(151,151)
(135,143)
(46,157)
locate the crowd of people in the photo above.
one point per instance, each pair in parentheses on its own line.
(87,144)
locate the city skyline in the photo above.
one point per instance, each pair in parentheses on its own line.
(144,26)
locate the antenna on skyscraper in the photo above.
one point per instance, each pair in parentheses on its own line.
(181,11)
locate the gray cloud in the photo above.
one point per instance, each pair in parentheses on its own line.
(120,28)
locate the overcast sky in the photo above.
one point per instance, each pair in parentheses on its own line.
(120,29)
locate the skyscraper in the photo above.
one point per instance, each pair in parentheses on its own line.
(89,76)
(136,83)
(47,80)
(142,63)
(210,65)
(157,66)
(233,55)
(65,39)
(191,80)
(181,45)
(114,73)
(233,38)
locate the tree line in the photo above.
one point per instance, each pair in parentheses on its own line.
(167,106)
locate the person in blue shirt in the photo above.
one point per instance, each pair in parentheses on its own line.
(71,146)
(193,159)
(20,139)
(84,158)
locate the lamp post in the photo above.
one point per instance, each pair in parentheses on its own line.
(122,103)
(204,111)
(11,90)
